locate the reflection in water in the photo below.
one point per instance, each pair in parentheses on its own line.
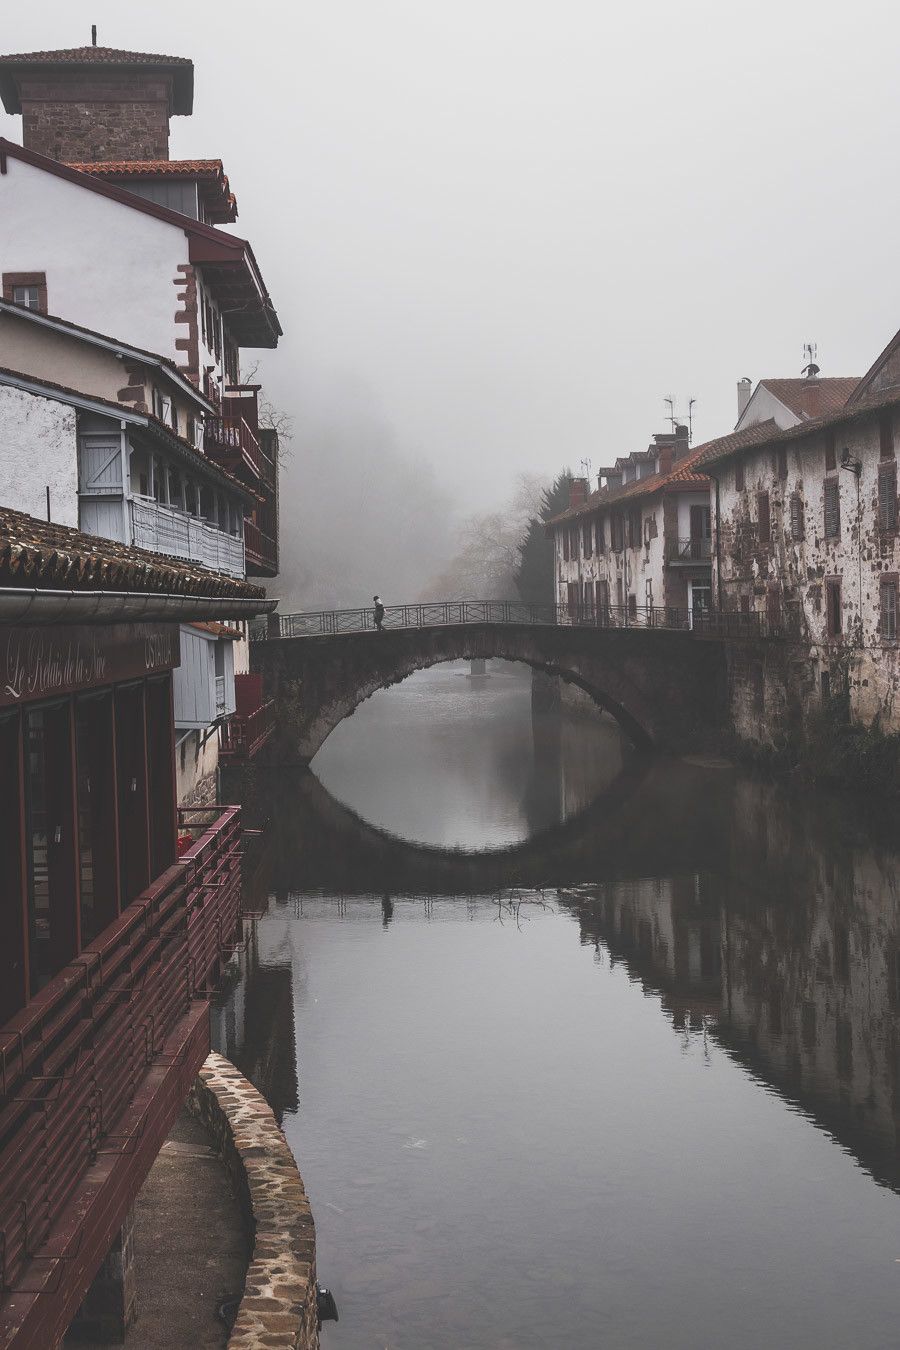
(460,762)
(659,1105)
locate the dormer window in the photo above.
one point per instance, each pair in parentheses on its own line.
(26,288)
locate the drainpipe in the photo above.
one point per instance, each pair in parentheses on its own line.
(715,477)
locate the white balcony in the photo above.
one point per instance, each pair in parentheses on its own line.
(165,529)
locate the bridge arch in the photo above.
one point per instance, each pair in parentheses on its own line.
(664,688)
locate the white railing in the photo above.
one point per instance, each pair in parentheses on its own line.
(165,529)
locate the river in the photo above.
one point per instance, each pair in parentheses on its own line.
(575,1048)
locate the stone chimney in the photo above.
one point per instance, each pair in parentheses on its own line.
(578,492)
(95,103)
(744,390)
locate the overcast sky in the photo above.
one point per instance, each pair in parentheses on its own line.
(520,224)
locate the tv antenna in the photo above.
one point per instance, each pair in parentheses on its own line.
(810,358)
(586,469)
(677,420)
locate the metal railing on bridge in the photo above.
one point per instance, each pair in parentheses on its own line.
(443,613)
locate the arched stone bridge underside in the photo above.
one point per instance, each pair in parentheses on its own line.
(667,689)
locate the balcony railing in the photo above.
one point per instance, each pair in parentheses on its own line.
(231,442)
(165,529)
(243,735)
(97,1037)
(689,550)
(261,549)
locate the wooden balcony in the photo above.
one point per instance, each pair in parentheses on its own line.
(93,1071)
(230,443)
(245,734)
(260,551)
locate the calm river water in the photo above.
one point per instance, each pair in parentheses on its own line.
(575,1049)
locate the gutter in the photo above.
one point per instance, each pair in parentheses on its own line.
(37,605)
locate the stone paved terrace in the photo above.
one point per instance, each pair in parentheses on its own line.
(191,1247)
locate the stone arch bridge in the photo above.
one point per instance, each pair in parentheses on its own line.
(666,686)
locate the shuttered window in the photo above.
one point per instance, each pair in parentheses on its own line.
(887,497)
(616,530)
(832,509)
(886,435)
(833,607)
(830,457)
(739,476)
(889,609)
(601,535)
(565,545)
(782,462)
(797,522)
(587,532)
(764,517)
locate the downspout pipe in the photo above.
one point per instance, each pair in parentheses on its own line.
(38,605)
(715,477)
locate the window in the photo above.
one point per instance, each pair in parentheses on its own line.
(26,288)
(833,607)
(600,531)
(886,435)
(830,457)
(739,481)
(832,509)
(764,517)
(781,466)
(797,522)
(889,609)
(616,532)
(573,541)
(565,544)
(587,531)
(887,497)
(634,529)
(632,606)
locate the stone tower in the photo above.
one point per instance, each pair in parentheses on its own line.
(96,103)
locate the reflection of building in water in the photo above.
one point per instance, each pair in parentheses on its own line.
(255,1026)
(801,976)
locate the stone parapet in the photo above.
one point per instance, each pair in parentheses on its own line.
(278,1308)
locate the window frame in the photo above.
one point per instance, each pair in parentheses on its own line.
(892,580)
(834,611)
(36,280)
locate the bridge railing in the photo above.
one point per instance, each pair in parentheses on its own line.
(442,613)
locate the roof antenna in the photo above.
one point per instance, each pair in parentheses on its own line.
(691,402)
(93,35)
(810,352)
(670,404)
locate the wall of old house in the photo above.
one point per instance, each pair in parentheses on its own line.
(39,452)
(785,581)
(121,281)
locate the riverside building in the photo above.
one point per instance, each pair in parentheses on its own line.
(172,298)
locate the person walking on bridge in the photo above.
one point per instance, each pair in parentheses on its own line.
(379,612)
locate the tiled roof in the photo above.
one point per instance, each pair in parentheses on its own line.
(218,198)
(809,398)
(182,68)
(102,56)
(687,470)
(219,630)
(34,552)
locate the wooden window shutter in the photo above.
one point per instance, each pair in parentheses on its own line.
(832,509)
(797,530)
(887,497)
(886,435)
(565,544)
(764,516)
(830,458)
(833,607)
(889,609)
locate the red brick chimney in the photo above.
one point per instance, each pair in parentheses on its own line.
(666,458)
(96,103)
(578,492)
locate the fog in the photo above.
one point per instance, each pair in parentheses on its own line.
(498,234)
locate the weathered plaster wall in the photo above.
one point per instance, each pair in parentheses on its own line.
(196,769)
(785,580)
(39,450)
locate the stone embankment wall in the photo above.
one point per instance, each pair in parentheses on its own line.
(278,1309)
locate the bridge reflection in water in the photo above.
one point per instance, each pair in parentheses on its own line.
(768,923)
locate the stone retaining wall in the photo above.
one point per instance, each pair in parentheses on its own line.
(278,1309)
